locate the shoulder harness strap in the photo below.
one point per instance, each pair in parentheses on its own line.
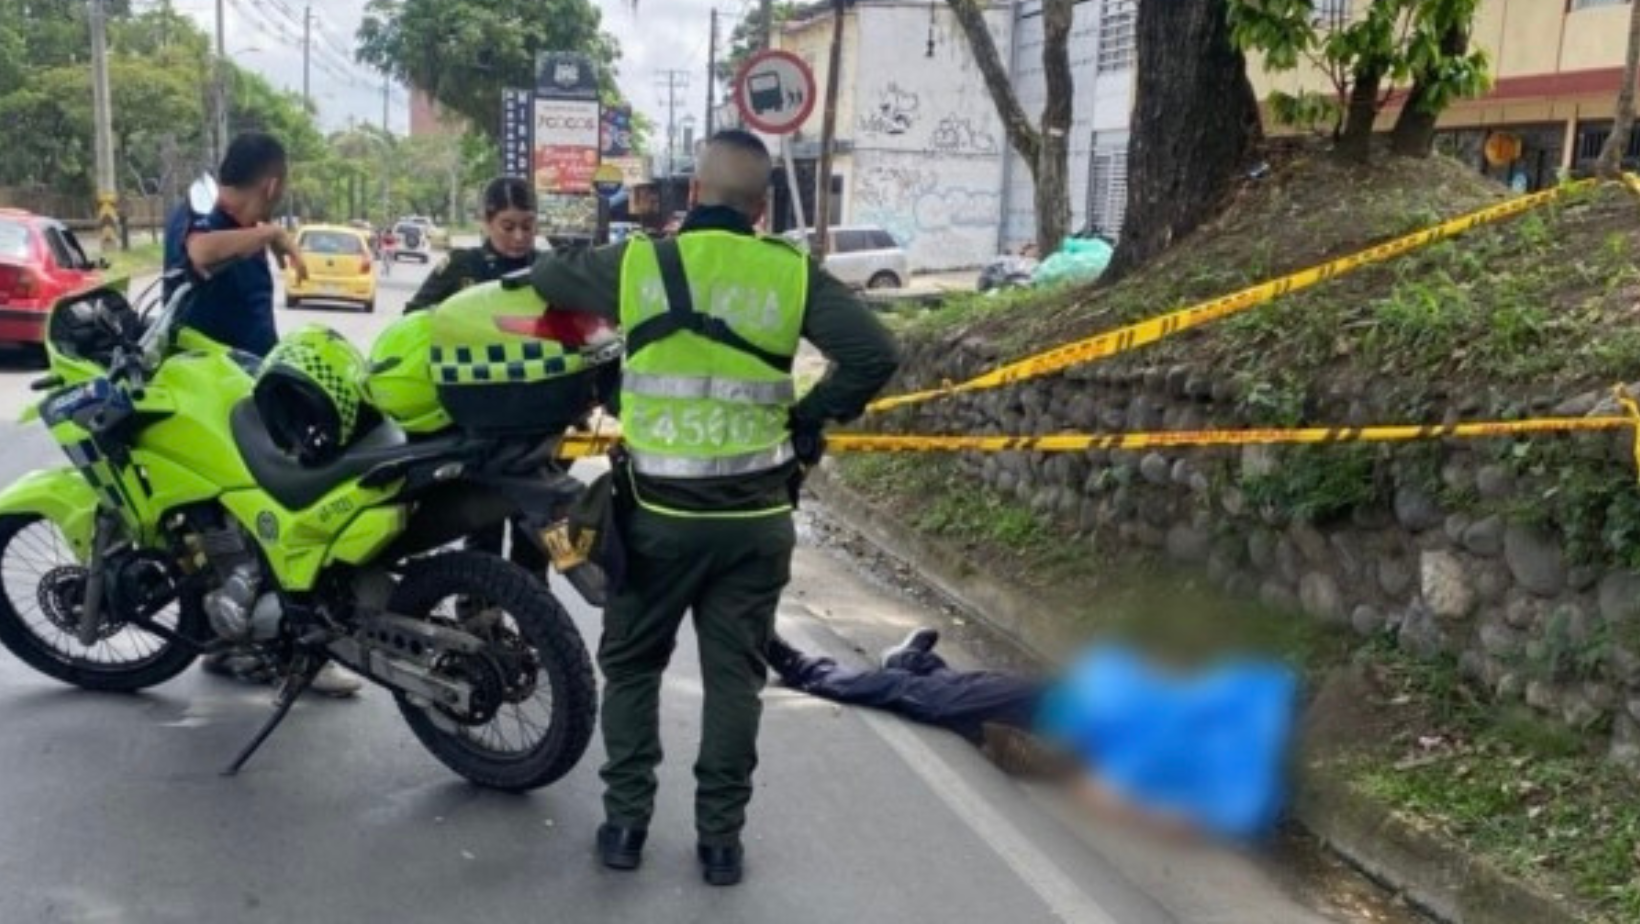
(681,315)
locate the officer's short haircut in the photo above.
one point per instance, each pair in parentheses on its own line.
(252,158)
(734,170)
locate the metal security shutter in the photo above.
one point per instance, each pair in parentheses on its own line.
(1107,189)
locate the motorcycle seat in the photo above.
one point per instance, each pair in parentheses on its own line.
(298,487)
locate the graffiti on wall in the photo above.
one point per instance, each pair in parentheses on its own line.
(893,112)
(942,224)
(956,135)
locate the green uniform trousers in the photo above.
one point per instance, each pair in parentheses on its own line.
(729,573)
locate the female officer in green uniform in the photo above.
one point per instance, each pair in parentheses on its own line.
(509,246)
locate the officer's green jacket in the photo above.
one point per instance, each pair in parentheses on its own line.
(468,266)
(863,357)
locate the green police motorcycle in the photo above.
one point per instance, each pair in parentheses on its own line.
(186,525)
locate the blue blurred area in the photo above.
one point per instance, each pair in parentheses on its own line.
(1208,747)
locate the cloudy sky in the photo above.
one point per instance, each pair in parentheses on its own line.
(266,36)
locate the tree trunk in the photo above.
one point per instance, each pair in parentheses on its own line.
(1053,197)
(1195,122)
(1021,133)
(1617,144)
(1361,116)
(1415,128)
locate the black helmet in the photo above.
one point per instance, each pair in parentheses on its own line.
(309,396)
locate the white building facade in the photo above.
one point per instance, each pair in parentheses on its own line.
(920,149)
(1104,57)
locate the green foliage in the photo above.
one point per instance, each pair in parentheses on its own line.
(1402,40)
(1317,484)
(1278,403)
(1519,790)
(747,36)
(465,52)
(1313,112)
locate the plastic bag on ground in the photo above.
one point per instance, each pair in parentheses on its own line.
(1078,260)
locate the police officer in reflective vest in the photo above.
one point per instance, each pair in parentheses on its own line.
(715,438)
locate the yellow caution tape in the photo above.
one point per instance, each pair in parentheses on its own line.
(1144,333)
(577,447)
(1081,442)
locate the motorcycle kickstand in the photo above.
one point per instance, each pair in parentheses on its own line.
(292,690)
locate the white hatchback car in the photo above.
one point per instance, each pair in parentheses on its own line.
(414,243)
(863,256)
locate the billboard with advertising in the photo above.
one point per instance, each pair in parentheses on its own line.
(615,132)
(566,145)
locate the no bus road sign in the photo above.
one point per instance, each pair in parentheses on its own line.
(775,92)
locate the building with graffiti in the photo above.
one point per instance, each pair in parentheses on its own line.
(919,148)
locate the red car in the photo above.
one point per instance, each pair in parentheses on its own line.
(40,262)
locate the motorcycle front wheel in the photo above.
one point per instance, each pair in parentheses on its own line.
(42,589)
(535,696)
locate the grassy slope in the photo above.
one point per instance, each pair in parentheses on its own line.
(1507,319)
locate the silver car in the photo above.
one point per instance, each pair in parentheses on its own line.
(863,256)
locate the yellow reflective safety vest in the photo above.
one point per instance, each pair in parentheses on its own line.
(712,321)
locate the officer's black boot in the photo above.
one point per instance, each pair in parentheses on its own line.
(721,865)
(621,848)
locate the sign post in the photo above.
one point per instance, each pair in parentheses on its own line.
(607,180)
(515,133)
(775,92)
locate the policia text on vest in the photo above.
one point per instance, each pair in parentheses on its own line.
(713,321)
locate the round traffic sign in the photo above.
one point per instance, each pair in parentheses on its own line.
(607,180)
(775,92)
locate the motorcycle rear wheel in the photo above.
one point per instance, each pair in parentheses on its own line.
(33,556)
(529,616)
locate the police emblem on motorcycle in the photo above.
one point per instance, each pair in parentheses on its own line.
(267,526)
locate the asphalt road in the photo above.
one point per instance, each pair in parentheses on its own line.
(111,809)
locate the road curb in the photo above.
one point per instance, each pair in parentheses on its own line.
(1433,873)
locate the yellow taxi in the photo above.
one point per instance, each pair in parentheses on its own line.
(338,265)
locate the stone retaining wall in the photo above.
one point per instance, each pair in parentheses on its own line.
(1446,546)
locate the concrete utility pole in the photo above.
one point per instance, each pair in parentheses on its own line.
(387,163)
(711,75)
(307,53)
(828,134)
(673,83)
(219,87)
(766,7)
(103,124)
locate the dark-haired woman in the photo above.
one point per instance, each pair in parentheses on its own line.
(509,245)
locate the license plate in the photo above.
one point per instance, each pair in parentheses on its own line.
(331,289)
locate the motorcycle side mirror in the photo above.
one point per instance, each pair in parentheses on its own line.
(202,194)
